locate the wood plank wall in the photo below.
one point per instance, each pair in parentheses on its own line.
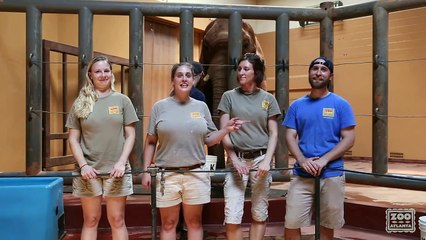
(353,75)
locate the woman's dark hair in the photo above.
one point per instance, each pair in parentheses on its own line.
(258,66)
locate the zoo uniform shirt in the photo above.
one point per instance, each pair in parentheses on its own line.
(318,123)
(102,133)
(181,129)
(256,107)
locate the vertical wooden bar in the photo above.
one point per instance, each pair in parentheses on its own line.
(85,43)
(136,82)
(186,49)
(45,120)
(327,37)
(235,47)
(282,75)
(64,99)
(380,90)
(34,91)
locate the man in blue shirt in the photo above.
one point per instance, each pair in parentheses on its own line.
(320,129)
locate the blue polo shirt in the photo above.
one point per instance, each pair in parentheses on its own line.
(318,123)
(197,94)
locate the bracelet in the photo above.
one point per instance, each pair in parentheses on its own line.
(84,165)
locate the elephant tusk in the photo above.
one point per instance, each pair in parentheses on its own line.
(206,78)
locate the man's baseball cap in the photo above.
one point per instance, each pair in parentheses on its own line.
(323,61)
(197,67)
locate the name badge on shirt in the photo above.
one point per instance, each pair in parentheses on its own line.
(195,115)
(114,110)
(265,104)
(328,112)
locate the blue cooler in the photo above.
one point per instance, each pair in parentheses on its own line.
(31,208)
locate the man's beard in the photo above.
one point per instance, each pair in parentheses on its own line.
(319,85)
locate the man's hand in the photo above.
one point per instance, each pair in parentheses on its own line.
(309,166)
(320,163)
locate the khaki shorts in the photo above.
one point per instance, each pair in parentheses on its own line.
(106,186)
(300,200)
(234,191)
(189,188)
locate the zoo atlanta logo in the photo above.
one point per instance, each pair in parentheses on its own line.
(400,220)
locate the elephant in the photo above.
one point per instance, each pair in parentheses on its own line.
(214,57)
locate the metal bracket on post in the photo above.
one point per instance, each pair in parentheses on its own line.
(378,61)
(83,60)
(30,59)
(153,172)
(135,63)
(284,64)
(234,63)
(376,112)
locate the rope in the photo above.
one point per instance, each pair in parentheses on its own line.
(37,112)
(266,65)
(158,170)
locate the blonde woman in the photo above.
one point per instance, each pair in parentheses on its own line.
(101,127)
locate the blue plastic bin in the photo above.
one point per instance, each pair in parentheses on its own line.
(31,208)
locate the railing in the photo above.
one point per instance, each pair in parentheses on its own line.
(399,181)
(34,10)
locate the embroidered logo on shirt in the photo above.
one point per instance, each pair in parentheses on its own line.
(114,110)
(195,115)
(328,112)
(265,104)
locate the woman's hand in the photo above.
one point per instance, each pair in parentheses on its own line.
(234,124)
(241,167)
(146,180)
(263,168)
(88,172)
(118,170)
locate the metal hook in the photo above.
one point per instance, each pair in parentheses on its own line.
(376,112)
(135,62)
(377,60)
(234,63)
(30,59)
(83,60)
(30,117)
(283,64)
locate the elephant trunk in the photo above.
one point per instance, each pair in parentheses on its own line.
(218,78)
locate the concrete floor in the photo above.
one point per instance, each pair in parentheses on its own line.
(377,199)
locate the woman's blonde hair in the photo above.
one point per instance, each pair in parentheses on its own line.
(87,97)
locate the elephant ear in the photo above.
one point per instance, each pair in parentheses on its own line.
(205,55)
(253,46)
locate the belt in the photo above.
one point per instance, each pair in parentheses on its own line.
(251,154)
(181,168)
